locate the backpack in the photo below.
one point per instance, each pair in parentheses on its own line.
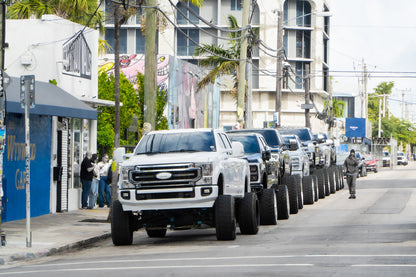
(109,175)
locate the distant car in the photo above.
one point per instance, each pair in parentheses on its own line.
(401,158)
(371,163)
(362,168)
(386,159)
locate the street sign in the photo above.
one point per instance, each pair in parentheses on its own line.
(27,90)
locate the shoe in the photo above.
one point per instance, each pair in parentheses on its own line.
(350,197)
(353,197)
(83,208)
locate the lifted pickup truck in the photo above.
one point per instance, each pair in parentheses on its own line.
(181,179)
(287,190)
(263,176)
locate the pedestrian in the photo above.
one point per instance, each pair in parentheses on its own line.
(92,198)
(103,186)
(86,178)
(351,169)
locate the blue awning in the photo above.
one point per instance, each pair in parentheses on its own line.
(49,100)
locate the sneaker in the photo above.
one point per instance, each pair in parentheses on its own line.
(353,197)
(350,197)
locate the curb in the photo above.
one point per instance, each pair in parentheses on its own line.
(53,251)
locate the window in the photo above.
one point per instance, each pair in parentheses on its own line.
(140,39)
(187,40)
(303,13)
(303,44)
(236,5)
(187,16)
(300,75)
(109,37)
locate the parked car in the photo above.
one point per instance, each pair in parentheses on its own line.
(402,159)
(371,163)
(386,159)
(362,168)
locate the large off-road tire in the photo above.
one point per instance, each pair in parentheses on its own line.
(249,214)
(341,177)
(321,183)
(283,208)
(225,221)
(331,176)
(121,230)
(337,180)
(326,181)
(292,187)
(315,187)
(156,233)
(308,190)
(299,183)
(268,207)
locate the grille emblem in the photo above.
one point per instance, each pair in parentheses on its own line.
(163,175)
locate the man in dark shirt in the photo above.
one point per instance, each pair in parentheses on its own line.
(351,168)
(86,178)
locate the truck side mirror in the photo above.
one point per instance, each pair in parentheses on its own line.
(238,148)
(118,154)
(266,155)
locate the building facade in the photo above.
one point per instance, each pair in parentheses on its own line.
(305,41)
(63,61)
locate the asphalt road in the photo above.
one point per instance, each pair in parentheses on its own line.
(373,235)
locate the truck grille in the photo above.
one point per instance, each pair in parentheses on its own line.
(165,176)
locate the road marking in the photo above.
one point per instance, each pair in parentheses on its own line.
(384,265)
(226,258)
(150,267)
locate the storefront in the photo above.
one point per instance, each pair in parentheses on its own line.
(62,129)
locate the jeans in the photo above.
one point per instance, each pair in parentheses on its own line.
(86,187)
(92,198)
(104,188)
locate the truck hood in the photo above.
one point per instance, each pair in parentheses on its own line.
(174,157)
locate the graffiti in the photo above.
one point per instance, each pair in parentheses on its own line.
(77,57)
(130,65)
(16,151)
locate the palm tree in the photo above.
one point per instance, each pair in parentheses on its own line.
(225,62)
(78,11)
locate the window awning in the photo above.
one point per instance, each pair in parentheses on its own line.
(49,100)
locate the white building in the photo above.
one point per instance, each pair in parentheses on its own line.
(63,127)
(306,41)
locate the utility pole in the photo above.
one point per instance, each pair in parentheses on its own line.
(279,76)
(379,118)
(150,85)
(242,65)
(2,107)
(307,97)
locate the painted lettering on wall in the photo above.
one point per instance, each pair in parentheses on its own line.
(16,150)
(20,179)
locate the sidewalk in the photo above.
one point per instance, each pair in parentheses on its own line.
(53,233)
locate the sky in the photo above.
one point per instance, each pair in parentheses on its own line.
(381,34)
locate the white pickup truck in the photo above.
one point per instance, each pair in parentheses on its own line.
(181,179)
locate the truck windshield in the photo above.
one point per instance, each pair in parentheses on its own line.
(303,134)
(249,142)
(176,142)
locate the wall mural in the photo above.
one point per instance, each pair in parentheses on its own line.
(186,107)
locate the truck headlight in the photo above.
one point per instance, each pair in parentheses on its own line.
(124,177)
(206,173)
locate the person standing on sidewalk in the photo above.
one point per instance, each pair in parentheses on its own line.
(103,186)
(351,169)
(86,178)
(92,198)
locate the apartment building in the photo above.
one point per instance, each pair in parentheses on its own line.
(305,40)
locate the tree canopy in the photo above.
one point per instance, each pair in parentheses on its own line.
(391,126)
